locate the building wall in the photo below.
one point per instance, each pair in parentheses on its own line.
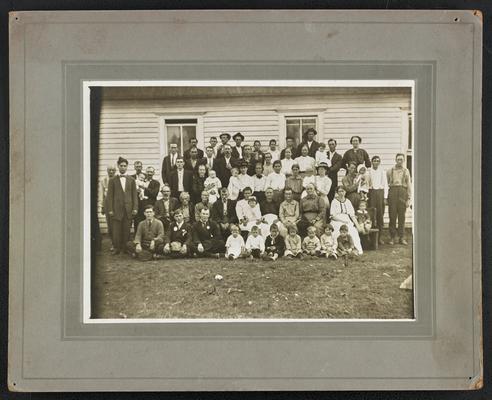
(134,128)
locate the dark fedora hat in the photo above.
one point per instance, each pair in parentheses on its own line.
(239,134)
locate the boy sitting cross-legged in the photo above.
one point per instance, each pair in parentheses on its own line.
(178,236)
(274,244)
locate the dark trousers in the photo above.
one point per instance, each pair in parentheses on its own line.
(376,200)
(158,247)
(211,247)
(121,233)
(397,206)
(109,224)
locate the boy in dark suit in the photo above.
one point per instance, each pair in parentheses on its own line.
(178,237)
(149,239)
(122,205)
(180,179)
(224,212)
(207,240)
(224,164)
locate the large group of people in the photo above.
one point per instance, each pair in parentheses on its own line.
(235,200)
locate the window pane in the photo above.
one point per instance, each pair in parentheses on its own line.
(294,130)
(189,131)
(173,136)
(180,121)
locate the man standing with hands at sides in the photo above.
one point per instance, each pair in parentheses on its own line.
(224,164)
(207,240)
(149,239)
(193,145)
(308,140)
(192,163)
(213,145)
(378,192)
(399,196)
(180,179)
(209,158)
(291,146)
(122,205)
(169,163)
(224,139)
(237,151)
(336,163)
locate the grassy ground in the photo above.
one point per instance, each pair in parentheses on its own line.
(366,288)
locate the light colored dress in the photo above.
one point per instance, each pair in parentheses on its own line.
(322,185)
(234,188)
(212,186)
(340,214)
(234,246)
(287,164)
(306,165)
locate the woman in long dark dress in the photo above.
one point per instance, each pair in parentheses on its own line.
(198,184)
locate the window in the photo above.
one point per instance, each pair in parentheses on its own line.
(180,131)
(297,126)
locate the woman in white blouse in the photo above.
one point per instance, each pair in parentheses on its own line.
(343,213)
(321,182)
(306,163)
(287,162)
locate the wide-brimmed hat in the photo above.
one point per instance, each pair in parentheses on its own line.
(239,134)
(226,135)
(323,165)
(243,164)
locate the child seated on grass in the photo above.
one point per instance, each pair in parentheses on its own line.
(364,223)
(235,245)
(311,246)
(345,244)
(255,245)
(293,243)
(328,243)
(274,244)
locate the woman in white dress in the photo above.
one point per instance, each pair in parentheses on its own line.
(306,162)
(321,182)
(343,213)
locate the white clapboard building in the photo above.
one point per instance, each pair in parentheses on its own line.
(139,122)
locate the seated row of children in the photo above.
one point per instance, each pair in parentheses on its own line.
(275,246)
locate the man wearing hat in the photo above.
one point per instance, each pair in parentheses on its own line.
(224,139)
(224,164)
(122,204)
(165,206)
(308,139)
(237,151)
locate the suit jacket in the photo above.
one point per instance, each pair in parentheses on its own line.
(203,233)
(166,169)
(120,202)
(217,212)
(189,166)
(151,192)
(336,164)
(236,154)
(276,245)
(146,234)
(160,209)
(205,162)
(182,235)
(312,150)
(223,173)
(186,154)
(187,182)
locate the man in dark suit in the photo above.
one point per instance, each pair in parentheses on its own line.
(209,158)
(237,151)
(149,239)
(224,213)
(122,205)
(223,165)
(149,190)
(336,164)
(166,206)
(169,163)
(249,159)
(207,240)
(181,179)
(193,144)
(192,163)
(178,237)
(308,139)
(291,146)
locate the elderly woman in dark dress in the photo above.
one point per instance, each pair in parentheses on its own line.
(350,185)
(356,154)
(198,184)
(313,211)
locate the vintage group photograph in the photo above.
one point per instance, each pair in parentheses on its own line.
(250,200)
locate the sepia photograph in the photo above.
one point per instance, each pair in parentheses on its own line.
(248,200)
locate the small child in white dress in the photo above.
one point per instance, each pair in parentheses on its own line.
(320,156)
(255,245)
(234,186)
(235,246)
(328,243)
(362,180)
(212,186)
(140,182)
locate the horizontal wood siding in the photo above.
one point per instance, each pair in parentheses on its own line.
(130,128)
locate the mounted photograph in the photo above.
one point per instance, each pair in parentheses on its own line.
(248,200)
